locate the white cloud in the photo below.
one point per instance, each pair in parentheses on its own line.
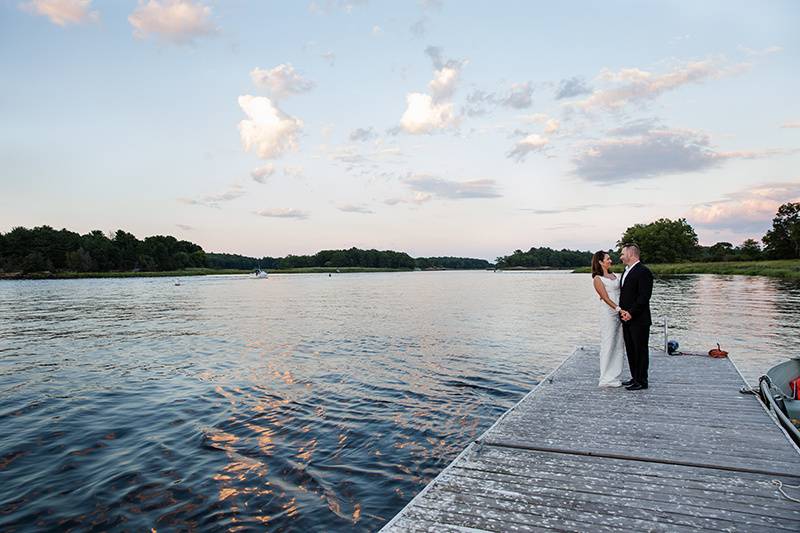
(175,21)
(268,131)
(746,210)
(579,208)
(425,187)
(520,96)
(652,153)
(351,208)
(365,159)
(632,85)
(571,87)
(283,212)
(529,144)
(755,53)
(63,12)
(418,198)
(641,126)
(347,154)
(281,81)
(551,126)
(363,134)
(376,31)
(443,84)
(453,190)
(261,173)
(214,200)
(426,113)
(423,116)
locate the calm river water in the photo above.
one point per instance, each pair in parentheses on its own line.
(300,402)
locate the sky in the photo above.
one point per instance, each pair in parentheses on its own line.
(433,127)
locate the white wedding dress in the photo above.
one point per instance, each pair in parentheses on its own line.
(612,346)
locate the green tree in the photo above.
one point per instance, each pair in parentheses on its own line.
(783,240)
(128,248)
(36,262)
(749,250)
(663,241)
(454,263)
(80,261)
(100,248)
(722,251)
(545,257)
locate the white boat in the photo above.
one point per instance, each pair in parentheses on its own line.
(261,274)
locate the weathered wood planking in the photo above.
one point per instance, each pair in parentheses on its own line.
(691,453)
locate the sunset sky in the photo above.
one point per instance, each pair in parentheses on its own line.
(433,127)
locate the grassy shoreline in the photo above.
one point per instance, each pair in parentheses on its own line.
(186,272)
(784,268)
(131,274)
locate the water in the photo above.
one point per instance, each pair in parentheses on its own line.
(301,402)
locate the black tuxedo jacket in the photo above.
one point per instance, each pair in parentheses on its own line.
(634,296)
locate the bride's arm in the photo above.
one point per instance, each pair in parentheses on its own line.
(601,290)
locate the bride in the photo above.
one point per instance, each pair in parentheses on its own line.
(611,343)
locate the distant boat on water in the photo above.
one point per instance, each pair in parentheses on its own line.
(261,274)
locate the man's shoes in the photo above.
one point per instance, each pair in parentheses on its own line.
(628,383)
(635,386)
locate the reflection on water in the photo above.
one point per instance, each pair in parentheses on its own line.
(299,402)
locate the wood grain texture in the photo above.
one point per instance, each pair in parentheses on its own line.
(691,453)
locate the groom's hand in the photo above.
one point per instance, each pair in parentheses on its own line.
(624,315)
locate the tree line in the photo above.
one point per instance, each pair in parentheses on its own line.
(44,249)
(675,241)
(545,258)
(353,257)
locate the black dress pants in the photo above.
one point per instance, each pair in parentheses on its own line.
(637,347)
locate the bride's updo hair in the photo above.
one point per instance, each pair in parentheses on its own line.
(597,258)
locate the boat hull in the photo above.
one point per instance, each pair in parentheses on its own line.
(776,392)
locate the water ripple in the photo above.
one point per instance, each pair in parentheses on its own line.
(301,402)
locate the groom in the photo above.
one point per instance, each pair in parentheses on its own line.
(634,299)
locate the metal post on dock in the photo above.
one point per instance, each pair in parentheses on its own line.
(666,338)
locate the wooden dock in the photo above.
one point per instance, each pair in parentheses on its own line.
(691,453)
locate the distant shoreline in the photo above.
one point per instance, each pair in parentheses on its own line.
(186,272)
(783,268)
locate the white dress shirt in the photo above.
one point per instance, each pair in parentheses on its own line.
(627,269)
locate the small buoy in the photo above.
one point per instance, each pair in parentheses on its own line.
(717,352)
(672,347)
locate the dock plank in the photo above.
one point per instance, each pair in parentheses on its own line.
(691,453)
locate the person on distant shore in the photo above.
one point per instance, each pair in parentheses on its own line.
(611,343)
(636,288)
